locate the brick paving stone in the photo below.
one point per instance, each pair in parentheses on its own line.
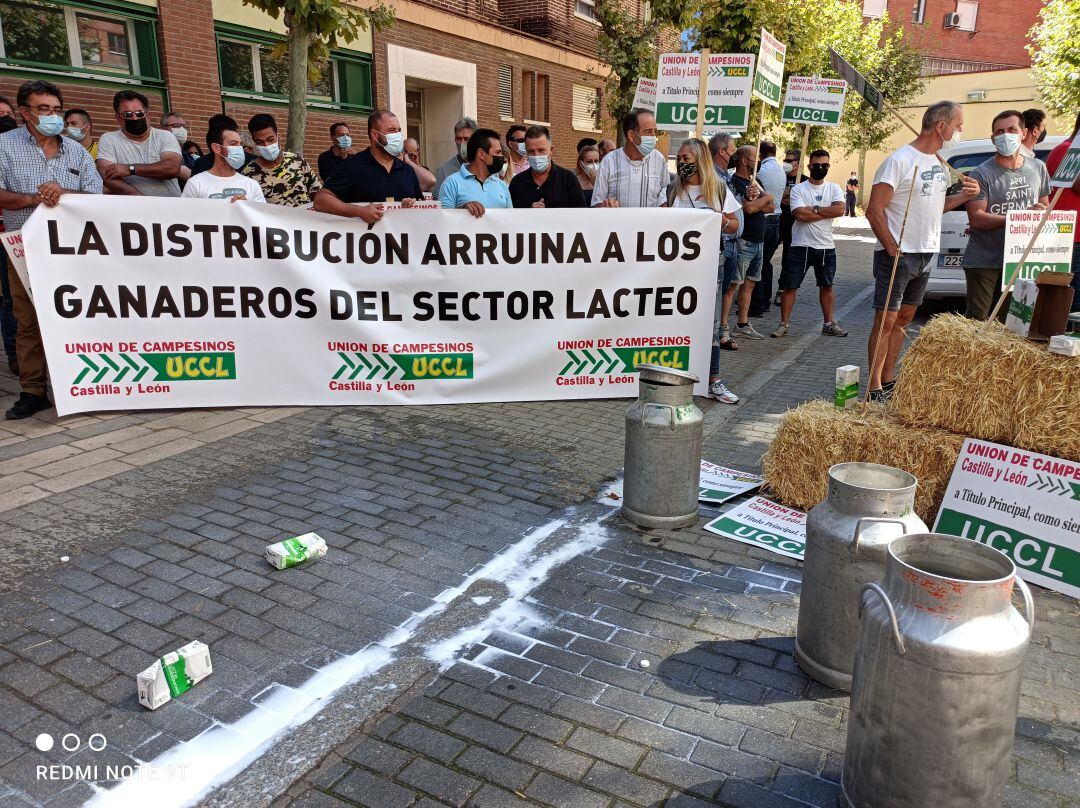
(367,789)
(427,741)
(550,790)
(442,783)
(605,747)
(495,768)
(557,759)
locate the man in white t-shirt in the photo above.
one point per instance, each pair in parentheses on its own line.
(223,180)
(918,162)
(814,205)
(636,175)
(137,159)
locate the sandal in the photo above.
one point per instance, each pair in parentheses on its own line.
(728,345)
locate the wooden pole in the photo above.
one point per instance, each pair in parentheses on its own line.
(892,279)
(703,92)
(1019,264)
(802,152)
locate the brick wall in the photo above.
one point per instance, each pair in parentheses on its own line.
(317,134)
(487,59)
(189,61)
(1001,36)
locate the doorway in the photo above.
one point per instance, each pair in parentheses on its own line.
(414,119)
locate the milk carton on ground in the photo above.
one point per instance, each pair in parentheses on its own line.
(1022,306)
(847,386)
(175,673)
(295,551)
(1065,345)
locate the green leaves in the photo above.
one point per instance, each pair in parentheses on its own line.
(1055,55)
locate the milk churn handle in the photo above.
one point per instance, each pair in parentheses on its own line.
(892,614)
(670,409)
(1029,603)
(872,520)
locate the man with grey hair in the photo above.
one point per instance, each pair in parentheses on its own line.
(463,130)
(916,162)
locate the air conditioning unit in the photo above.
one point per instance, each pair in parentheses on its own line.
(976,95)
(952,20)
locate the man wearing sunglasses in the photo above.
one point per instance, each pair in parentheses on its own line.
(138,159)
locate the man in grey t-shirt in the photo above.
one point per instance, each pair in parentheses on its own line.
(1007,181)
(137,159)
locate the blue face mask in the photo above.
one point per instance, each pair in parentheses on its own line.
(269,153)
(344,142)
(1007,143)
(647,144)
(395,143)
(539,162)
(50,125)
(235,157)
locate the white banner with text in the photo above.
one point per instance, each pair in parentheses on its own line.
(156,303)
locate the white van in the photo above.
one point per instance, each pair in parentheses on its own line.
(947,267)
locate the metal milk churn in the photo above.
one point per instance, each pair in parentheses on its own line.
(662,458)
(846,538)
(937,678)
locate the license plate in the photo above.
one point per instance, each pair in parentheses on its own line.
(950,261)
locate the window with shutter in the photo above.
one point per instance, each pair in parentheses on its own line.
(586,113)
(969,13)
(506,92)
(874,8)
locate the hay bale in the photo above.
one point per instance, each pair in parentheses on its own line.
(982,380)
(817,435)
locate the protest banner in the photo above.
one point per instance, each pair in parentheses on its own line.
(814,101)
(718,484)
(13,245)
(1025,504)
(154,303)
(769,78)
(645,95)
(1053,247)
(729,82)
(762,523)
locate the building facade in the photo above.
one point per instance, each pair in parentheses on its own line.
(500,61)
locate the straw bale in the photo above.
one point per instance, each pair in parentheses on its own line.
(817,435)
(982,380)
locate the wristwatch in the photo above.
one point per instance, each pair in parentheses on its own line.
(817,208)
(131,169)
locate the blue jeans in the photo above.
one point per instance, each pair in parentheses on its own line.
(761,297)
(8,326)
(726,278)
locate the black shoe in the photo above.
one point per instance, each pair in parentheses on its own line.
(13,365)
(758,314)
(888,386)
(27,405)
(878,397)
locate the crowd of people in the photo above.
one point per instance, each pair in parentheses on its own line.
(765,205)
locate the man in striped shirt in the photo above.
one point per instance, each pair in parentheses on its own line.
(636,175)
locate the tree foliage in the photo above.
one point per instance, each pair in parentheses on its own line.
(1055,55)
(316,26)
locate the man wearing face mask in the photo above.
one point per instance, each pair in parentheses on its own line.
(1007,181)
(224,180)
(463,130)
(37,166)
(374,175)
(545,185)
(722,148)
(1034,130)
(515,152)
(340,149)
(136,159)
(636,175)
(477,185)
(814,205)
(79,127)
(918,161)
(285,178)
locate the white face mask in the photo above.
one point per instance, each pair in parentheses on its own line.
(462,151)
(1007,143)
(76,132)
(395,143)
(181,134)
(956,139)
(520,148)
(591,168)
(269,153)
(789,167)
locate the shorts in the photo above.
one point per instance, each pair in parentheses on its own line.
(797,260)
(749,263)
(731,263)
(912,274)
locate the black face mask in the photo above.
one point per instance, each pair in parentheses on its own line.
(135,126)
(818,172)
(686,170)
(1042,136)
(7,123)
(497,164)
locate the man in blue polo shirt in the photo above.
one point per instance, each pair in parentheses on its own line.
(477,185)
(374,175)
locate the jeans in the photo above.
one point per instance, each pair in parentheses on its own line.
(724,280)
(8,326)
(761,298)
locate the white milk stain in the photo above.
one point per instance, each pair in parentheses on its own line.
(222,751)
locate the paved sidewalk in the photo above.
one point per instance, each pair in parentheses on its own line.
(422,507)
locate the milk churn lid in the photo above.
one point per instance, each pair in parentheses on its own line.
(658,374)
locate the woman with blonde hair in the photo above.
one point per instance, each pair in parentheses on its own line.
(696,185)
(587,166)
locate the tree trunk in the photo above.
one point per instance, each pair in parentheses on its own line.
(298,69)
(862,170)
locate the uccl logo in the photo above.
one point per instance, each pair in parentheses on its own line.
(155,367)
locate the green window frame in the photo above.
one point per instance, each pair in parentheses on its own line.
(248,70)
(74,28)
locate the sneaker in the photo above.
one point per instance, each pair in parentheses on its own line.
(781,331)
(747,332)
(833,330)
(888,386)
(27,405)
(718,391)
(878,397)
